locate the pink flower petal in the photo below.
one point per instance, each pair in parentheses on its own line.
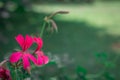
(24,43)
(39,42)
(5,74)
(39,53)
(45,59)
(41,58)
(28,42)
(8,75)
(25,59)
(15,57)
(32,58)
(20,40)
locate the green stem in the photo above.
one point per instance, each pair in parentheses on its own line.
(15,73)
(42,30)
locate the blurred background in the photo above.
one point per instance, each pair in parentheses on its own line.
(86,46)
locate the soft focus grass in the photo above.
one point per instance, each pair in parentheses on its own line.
(101,14)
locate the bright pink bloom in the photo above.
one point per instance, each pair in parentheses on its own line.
(25,43)
(39,42)
(4,74)
(41,58)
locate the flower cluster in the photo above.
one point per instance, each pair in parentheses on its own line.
(37,57)
(5,74)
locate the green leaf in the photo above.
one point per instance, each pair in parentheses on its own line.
(108,76)
(81,69)
(18,73)
(101,57)
(109,64)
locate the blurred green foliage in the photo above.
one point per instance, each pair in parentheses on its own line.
(10,9)
(81,34)
(53,72)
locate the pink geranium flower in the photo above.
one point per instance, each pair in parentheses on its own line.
(24,43)
(24,54)
(41,58)
(4,74)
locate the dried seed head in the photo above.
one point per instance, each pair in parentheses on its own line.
(58,12)
(62,12)
(54,25)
